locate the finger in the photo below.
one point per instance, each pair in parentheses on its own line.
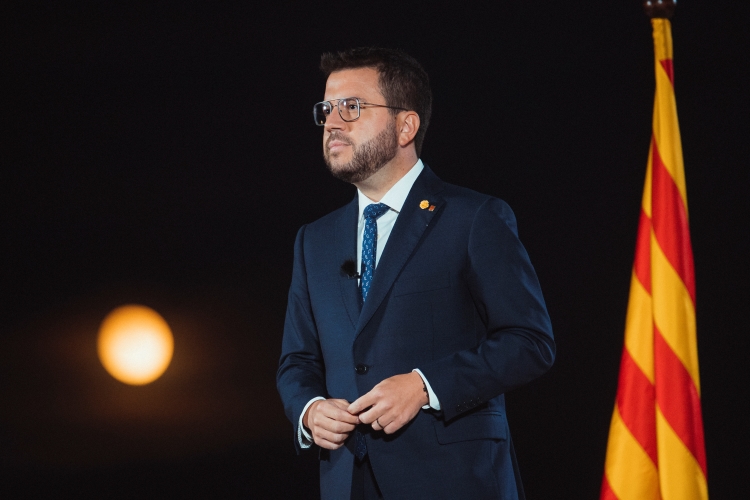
(332,425)
(334,412)
(369,416)
(344,416)
(372,414)
(341,403)
(329,445)
(391,427)
(328,436)
(396,421)
(337,427)
(379,409)
(376,425)
(362,403)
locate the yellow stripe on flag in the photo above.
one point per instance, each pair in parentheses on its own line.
(623,448)
(665,125)
(680,476)
(674,314)
(639,331)
(646,202)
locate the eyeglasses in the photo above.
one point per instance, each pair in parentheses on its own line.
(349,109)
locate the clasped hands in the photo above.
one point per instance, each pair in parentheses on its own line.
(390,405)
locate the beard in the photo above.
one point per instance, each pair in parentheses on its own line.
(367,158)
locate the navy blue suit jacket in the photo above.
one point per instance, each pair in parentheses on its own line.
(455,295)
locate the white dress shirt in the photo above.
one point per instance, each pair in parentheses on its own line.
(394,198)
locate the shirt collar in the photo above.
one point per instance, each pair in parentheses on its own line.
(396,196)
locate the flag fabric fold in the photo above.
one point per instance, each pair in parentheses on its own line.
(656,447)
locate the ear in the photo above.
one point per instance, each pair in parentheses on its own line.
(407,125)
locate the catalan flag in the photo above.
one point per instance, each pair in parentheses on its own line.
(655,449)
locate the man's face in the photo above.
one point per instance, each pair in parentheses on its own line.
(355,150)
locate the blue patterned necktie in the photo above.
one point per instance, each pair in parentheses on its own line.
(370,244)
(369,250)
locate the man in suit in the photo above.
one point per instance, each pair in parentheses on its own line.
(412,309)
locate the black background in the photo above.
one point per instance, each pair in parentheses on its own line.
(164,154)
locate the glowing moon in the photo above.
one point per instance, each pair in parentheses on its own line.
(135,344)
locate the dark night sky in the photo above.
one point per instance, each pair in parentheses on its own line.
(165,155)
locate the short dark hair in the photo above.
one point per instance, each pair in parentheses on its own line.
(402,80)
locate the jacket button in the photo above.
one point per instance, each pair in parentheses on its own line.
(361,369)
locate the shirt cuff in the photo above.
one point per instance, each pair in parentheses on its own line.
(305,438)
(434,403)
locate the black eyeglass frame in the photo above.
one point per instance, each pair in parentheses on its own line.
(360,104)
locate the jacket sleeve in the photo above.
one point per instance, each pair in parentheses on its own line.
(518,345)
(301,375)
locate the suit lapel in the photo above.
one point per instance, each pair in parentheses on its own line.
(410,226)
(346,245)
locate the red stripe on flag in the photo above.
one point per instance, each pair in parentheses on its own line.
(636,402)
(607,493)
(642,262)
(668,68)
(669,218)
(678,399)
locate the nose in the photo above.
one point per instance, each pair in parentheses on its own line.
(334,121)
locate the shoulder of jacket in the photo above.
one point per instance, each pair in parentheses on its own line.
(468,198)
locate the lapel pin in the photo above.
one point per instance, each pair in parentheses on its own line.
(424,204)
(432,208)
